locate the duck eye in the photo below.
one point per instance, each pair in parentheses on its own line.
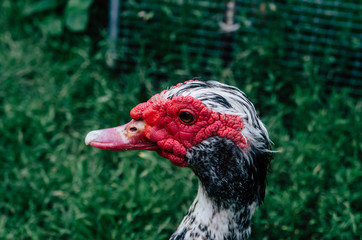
(186,117)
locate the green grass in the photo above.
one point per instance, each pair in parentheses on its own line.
(53,91)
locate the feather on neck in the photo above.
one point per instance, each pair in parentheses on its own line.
(206,220)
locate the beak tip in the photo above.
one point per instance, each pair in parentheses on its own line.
(91,136)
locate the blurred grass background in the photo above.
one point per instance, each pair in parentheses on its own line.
(55,87)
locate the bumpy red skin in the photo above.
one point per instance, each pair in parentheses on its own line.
(173,136)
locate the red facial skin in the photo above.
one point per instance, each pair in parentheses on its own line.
(164,126)
(157,125)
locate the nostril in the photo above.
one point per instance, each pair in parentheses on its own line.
(133,129)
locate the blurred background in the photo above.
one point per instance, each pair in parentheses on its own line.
(71,66)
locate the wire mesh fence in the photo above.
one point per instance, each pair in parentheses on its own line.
(205,35)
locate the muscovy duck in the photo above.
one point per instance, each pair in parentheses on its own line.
(213,129)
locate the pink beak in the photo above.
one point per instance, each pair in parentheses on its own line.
(126,137)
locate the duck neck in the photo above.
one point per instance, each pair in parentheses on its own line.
(227,195)
(206,219)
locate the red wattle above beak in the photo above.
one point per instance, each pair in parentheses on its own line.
(126,137)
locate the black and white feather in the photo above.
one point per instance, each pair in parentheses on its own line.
(232,180)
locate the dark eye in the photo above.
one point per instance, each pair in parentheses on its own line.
(186,117)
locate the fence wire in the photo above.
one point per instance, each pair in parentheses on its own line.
(326,32)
